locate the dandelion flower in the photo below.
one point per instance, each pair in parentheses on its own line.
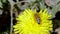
(32,22)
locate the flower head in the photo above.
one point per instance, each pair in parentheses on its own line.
(32,22)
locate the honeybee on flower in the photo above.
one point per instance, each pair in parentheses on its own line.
(33,22)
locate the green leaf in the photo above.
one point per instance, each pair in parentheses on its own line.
(42,5)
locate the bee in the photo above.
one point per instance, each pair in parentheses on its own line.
(37,18)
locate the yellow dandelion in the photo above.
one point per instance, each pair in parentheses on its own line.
(32,22)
